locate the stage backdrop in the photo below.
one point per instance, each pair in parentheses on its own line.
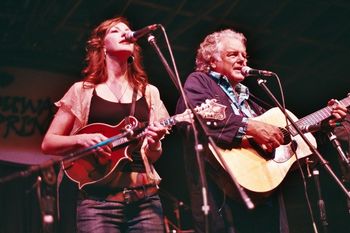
(26,110)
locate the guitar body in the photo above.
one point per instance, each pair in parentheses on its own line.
(263,173)
(87,170)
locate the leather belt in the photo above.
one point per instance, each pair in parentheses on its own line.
(126,195)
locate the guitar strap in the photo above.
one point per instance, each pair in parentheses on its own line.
(133,102)
(133,105)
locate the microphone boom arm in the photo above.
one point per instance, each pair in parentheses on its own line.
(261,83)
(177,82)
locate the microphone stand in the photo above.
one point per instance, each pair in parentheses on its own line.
(177,206)
(344,162)
(324,163)
(47,201)
(335,142)
(205,208)
(68,157)
(321,204)
(198,146)
(261,82)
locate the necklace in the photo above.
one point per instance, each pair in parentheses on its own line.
(115,95)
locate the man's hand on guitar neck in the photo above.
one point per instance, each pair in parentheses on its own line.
(338,111)
(268,136)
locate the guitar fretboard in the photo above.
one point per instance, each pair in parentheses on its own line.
(120,141)
(318,116)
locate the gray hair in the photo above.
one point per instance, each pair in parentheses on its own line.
(210,48)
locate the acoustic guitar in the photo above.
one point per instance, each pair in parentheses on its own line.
(262,172)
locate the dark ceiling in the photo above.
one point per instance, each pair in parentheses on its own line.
(304,41)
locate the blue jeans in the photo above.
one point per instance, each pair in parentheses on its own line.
(145,215)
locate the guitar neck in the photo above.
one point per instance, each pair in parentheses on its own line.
(210,109)
(167,122)
(320,115)
(125,138)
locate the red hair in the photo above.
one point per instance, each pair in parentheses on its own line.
(96,71)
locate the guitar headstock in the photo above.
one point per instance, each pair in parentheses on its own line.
(211,110)
(208,110)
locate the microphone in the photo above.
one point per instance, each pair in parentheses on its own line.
(247,71)
(133,36)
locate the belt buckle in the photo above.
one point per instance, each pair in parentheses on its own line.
(127,195)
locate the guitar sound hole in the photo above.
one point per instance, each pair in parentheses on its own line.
(286,136)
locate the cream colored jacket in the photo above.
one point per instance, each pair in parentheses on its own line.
(77,100)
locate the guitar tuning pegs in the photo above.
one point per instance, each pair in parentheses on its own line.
(212,123)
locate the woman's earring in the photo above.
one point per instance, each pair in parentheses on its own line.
(105,52)
(130,60)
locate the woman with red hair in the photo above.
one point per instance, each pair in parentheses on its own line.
(115,86)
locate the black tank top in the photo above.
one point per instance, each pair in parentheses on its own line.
(112,113)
